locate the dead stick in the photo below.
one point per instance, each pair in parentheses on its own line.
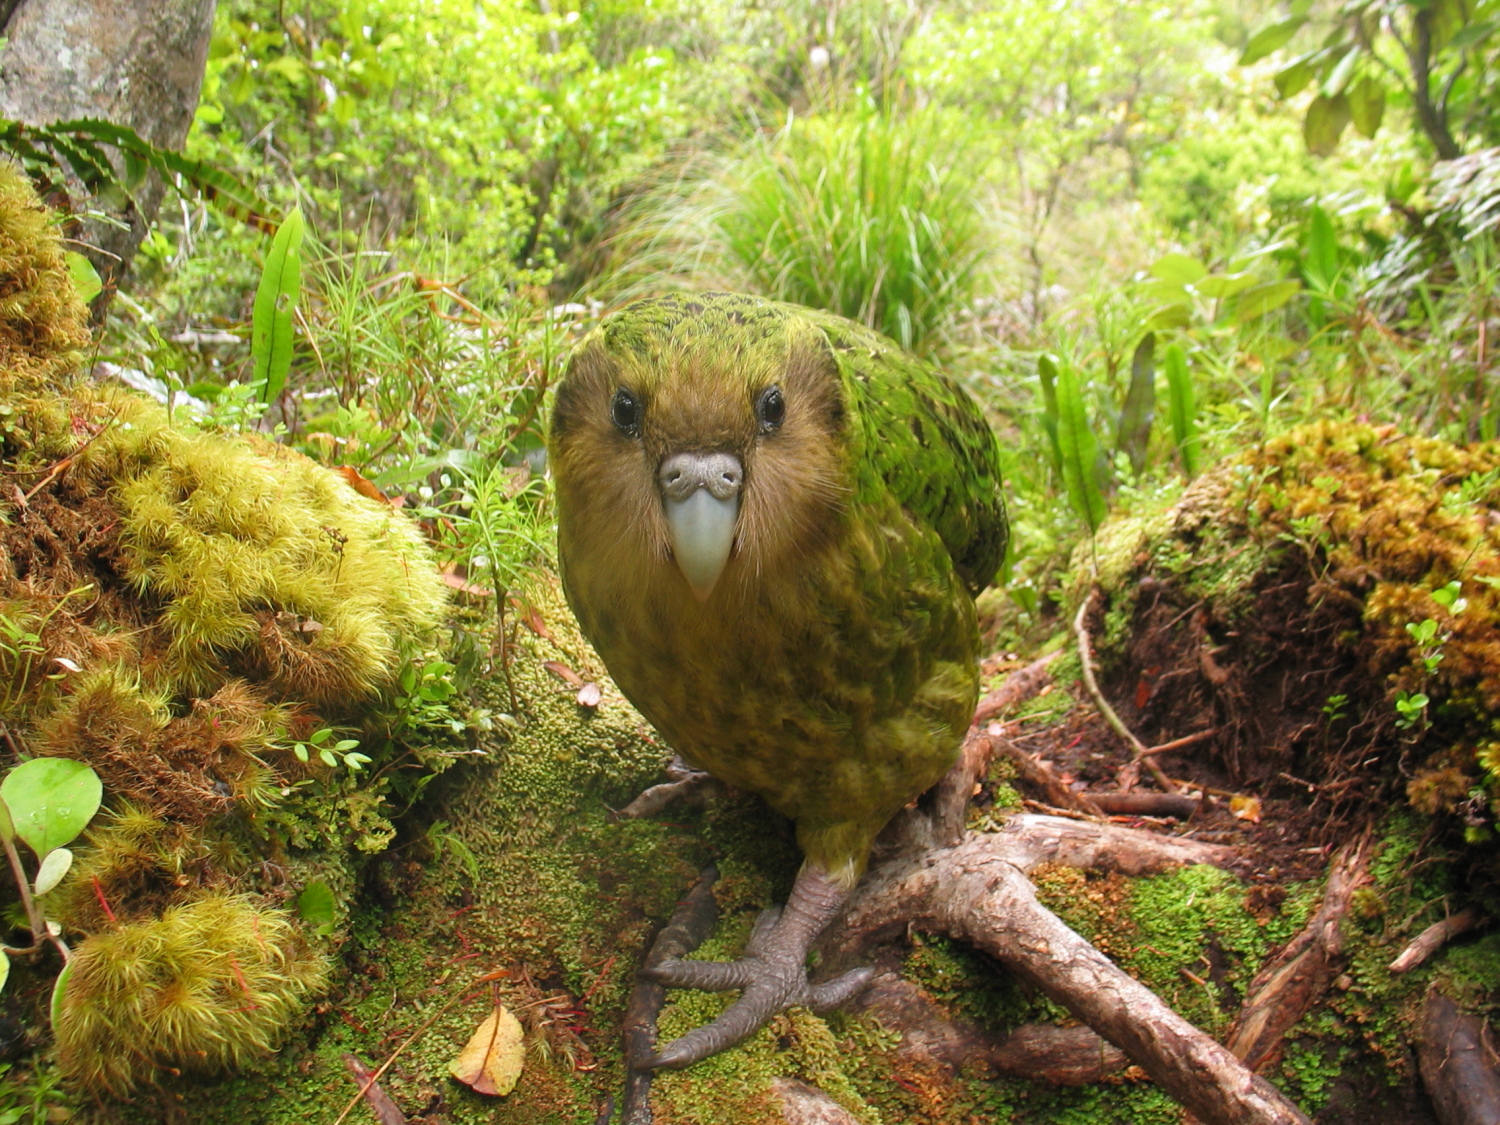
(386,1111)
(1180,743)
(1086,659)
(1433,938)
(692,921)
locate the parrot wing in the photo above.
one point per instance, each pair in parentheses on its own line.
(924,438)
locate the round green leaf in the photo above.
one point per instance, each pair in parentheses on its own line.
(51,801)
(54,867)
(7,829)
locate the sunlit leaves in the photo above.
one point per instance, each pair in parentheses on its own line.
(1270,39)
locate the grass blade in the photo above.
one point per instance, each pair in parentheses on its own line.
(1046,370)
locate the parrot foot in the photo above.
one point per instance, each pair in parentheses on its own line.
(772,974)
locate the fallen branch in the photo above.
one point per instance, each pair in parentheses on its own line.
(683,783)
(1290,983)
(1138,748)
(978,892)
(1037,772)
(1433,938)
(1017,687)
(1459,1063)
(691,923)
(1179,805)
(386,1111)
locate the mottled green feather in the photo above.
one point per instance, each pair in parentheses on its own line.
(835,676)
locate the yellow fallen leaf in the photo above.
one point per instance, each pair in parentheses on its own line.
(491,1061)
(1246,808)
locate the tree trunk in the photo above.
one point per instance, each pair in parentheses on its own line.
(138,64)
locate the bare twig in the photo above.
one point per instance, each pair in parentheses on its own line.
(1181,743)
(1433,938)
(375,1077)
(1036,771)
(1086,659)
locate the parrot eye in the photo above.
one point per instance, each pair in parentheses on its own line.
(771,409)
(625,412)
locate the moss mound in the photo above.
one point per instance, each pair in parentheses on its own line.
(192,614)
(1330,603)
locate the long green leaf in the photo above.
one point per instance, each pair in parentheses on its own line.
(1321,264)
(1139,411)
(216,185)
(275,297)
(1182,407)
(1080,450)
(1046,370)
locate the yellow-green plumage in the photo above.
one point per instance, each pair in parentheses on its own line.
(833,668)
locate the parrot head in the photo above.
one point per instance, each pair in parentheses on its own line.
(697,444)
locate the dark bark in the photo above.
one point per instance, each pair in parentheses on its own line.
(1432,114)
(137,64)
(1459,1063)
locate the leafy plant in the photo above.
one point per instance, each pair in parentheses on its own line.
(330,751)
(49,152)
(45,803)
(1437,56)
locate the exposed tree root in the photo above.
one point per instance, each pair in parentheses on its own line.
(1434,937)
(1460,1064)
(1063,1056)
(1289,984)
(802,1104)
(978,892)
(691,923)
(1179,805)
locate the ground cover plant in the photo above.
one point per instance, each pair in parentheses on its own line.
(275,559)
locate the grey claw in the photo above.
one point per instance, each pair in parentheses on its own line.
(825,997)
(710,976)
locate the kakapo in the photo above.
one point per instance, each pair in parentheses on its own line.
(772,523)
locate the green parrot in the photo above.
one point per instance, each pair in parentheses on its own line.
(772,523)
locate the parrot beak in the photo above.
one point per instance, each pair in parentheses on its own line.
(702,503)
